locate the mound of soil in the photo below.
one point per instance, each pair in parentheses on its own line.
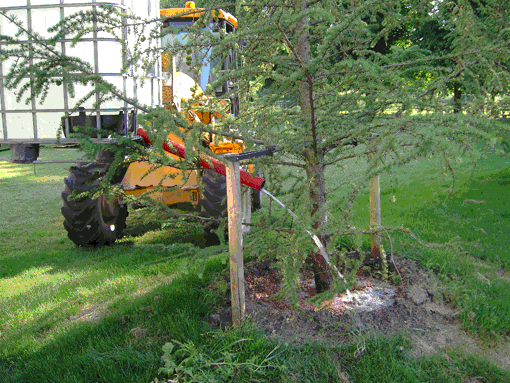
(415,306)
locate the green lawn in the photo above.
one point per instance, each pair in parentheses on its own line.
(476,217)
(78,315)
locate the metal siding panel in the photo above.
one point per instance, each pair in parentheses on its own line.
(66,90)
(2,94)
(18,114)
(32,90)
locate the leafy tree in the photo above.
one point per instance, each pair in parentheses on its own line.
(316,82)
(448,27)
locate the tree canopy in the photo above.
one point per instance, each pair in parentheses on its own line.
(325,81)
(328,81)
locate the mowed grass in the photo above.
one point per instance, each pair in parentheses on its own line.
(53,295)
(475,218)
(69,314)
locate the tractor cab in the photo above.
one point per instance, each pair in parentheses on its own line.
(182,83)
(187,74)
(179,71)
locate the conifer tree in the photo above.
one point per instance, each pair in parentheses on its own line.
(314,80)
(313,83)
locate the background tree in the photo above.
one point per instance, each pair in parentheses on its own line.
(448,27)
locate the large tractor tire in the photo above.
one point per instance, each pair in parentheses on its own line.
(213,204)
(91,222)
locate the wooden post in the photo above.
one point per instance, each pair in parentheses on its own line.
(235,232)
(246,210)
(374,191)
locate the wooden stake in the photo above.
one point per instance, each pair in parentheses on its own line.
(235,232)
(246,210)
(375,215)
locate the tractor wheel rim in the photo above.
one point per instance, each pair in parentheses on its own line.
(109,210)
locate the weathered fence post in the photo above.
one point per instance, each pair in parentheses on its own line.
(246,210)
(235,232)
(237,211)
(374,192)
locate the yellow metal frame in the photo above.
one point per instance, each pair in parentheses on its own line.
(172,197)
(141,176)
(191,13)
(227,147)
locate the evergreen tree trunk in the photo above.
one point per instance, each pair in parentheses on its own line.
(314,161)
(317,192)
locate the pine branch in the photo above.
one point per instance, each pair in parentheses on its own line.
(284,163)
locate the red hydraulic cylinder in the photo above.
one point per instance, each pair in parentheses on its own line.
(179,150)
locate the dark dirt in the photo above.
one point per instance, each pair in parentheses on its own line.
(416,307)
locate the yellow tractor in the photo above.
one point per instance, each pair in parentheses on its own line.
(98,222)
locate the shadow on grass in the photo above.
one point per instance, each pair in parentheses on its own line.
(133,249)
(125,345)
(155,233)
(478,213)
